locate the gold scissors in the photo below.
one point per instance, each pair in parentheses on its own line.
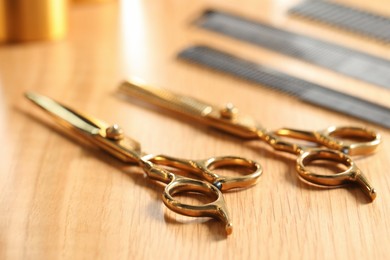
(337,140)
(111,139)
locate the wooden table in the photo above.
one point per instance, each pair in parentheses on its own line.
(63,200)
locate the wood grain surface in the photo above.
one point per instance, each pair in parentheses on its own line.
(60,199)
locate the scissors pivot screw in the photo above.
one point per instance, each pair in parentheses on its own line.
(114,132)
(229,111)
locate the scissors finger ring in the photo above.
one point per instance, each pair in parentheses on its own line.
(351,174)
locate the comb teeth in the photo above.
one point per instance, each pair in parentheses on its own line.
(186,103)
(165,98)
(347,18)
(335,57)
(303,90)
(243,69)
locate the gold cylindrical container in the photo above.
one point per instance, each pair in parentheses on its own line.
(30,20)
(91,1)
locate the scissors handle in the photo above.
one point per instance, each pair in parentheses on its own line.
(215,209)
(347,139)
(205,169)
(251,171)
(351,174)
(180,185)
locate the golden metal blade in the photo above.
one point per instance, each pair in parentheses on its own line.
(64,115)
(226,119)
(189,106)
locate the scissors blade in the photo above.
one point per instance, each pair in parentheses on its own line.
(160,97)
(64,115)
(95,131)
(243,126)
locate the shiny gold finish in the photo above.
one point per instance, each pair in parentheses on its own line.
(353,174)
(92,1)
(3,28)
(30,20)
(114,132)
(112,140)
(229,111)
(217,209)
(336,139)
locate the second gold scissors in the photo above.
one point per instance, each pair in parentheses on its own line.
(229,120)
(111,139)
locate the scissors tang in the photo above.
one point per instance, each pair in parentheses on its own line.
(217,209)
(178,184)
(351,174)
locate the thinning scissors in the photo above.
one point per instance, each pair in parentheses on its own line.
(337,140)
(111,139)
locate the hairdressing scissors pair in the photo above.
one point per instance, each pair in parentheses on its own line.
(111,139)
(337,140)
